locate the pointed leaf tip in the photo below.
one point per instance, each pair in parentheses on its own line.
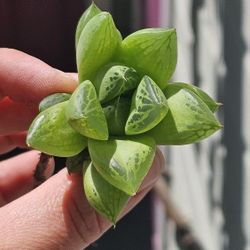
(115,81)
(123,162)
(53,99)
(173,88)
(189,120)
(51,133)
(151,52)
(87,15)
(85,114)
(149,107)
(97,45)
(104,197)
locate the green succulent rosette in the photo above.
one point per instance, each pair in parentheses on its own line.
(123,107)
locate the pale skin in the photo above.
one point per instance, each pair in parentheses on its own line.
(55,215)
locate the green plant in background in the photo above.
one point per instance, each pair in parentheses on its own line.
(123,107)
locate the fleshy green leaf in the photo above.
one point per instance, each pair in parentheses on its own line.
(173,88)
(90,12)
(52,100)
(116,113)
(149,107)
(84,112)
(122,162)
(98,42)
(188,120)
(51,133)
(151,52)
(116,81)
(104,197)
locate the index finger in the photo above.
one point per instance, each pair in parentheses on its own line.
(27,79)
(24,82)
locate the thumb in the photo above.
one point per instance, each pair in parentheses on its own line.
(56,215)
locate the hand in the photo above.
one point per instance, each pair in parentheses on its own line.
(55,215)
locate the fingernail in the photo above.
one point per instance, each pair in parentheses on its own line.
(69,81)
(73,76)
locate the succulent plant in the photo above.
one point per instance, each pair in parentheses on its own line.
(123,107)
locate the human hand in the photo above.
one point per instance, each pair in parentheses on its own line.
(55,215)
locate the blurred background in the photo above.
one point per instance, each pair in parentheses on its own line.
(209,182)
